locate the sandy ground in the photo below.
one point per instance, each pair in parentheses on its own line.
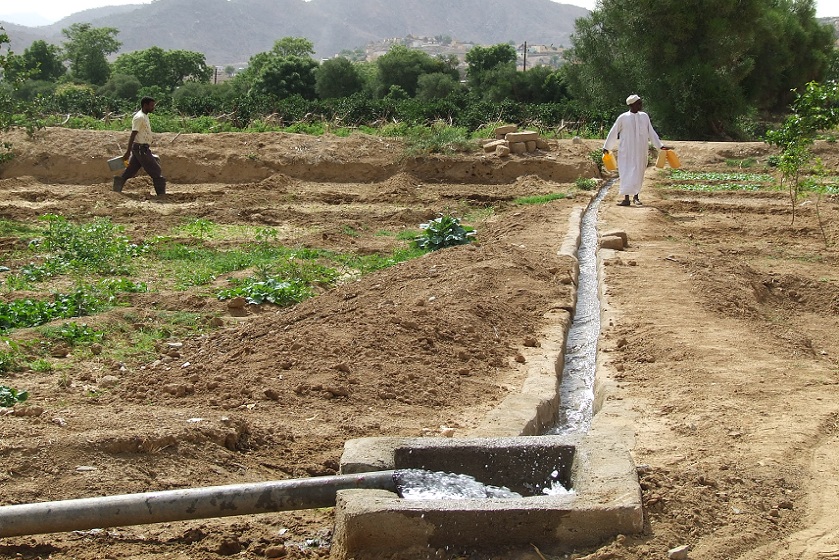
(720,338)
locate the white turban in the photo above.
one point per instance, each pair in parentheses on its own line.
(632,99)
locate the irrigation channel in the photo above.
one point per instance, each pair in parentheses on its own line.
(578,371)
(574,416)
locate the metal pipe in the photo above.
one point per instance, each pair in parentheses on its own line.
(178,505)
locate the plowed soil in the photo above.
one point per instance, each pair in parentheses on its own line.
(721,337)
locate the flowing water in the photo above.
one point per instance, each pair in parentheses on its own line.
(577,386)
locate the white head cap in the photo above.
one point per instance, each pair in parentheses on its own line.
(632,99)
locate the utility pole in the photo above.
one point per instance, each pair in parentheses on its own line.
(524,63)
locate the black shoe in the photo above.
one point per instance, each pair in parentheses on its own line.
(637,201)
(623,203)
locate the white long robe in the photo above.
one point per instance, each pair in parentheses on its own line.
(635,132)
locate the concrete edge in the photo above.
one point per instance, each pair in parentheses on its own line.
(535,406)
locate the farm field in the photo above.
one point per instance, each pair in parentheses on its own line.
(720,335)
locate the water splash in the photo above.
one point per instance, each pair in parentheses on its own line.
(416,484)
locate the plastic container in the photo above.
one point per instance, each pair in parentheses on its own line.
(609,162)
(673,159)
(117,164)
(662,159)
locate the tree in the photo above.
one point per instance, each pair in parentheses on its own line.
(293,46)
(164,69)
(402,67)
(491,71)
(121,86)
(44,60)
(283,77)
(438,85)
(337,77)
(87,49)
(696,62)
(14,111)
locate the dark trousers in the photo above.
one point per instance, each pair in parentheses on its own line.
(141,156)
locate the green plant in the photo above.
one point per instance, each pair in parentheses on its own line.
(9,361)
(596,156)
(442,232)
(74,333)
(270,290)
(199,228)
(539,199)
(585,184)
(10,397)
(41,365)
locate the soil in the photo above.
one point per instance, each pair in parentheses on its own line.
(720,339)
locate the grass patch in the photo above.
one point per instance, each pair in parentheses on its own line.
(539,199)
(683,175)
(715,187)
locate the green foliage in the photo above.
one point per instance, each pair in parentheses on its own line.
(84,300)
(442,232)
(9,358)
(539,199)
(337,78)
(703,68)
(121,86)
(438,139)
(10,397)
(14,111)
(43,61)
(74,333)
(401,68)
(98,246)
(585,184)
(814,110)
(87,49)
(270,290)
(167,70)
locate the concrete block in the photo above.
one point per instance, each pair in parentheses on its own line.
(605,499)
(523,136)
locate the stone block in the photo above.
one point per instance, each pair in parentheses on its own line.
(517,147)
(506,129)
(490,146)
(530,145)
(523,136)
(502,151)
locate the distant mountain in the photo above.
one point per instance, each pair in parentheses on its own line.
(231,31)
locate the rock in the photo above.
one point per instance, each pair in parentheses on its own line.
(617,233)
(531,342)
(615,243)
(490,147)
(520,359)
(445,431)
(517,147)
(502,151)
(678,553)
(109,381)
(576,140)
(30,411)
(275,551)
(237,303)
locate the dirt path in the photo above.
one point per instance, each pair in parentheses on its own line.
(723,343)
(720,339)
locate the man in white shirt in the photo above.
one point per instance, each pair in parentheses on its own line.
(635,132)
(139,154)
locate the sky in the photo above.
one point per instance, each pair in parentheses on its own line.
(44,12)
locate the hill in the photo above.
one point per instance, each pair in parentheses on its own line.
(230,32)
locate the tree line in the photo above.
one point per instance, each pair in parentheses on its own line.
(707,69)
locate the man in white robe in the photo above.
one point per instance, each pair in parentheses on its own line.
(635,132)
